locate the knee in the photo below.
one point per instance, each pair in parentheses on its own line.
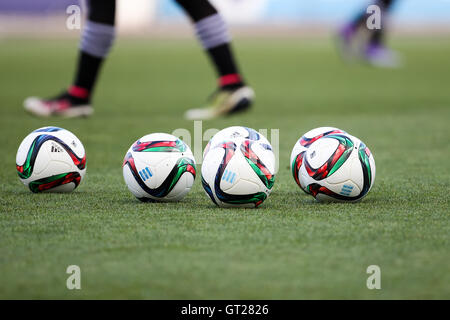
(197,9)
(102,11)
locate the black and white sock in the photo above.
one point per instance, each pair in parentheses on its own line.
(212,32)
(96,41)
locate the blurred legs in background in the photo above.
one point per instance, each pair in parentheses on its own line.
(96,41)
(357,41)
(212,32)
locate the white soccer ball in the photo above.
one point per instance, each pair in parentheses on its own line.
(337,167)
(302,145)
(234,132)
(159,167)
(239,172)
(51,159)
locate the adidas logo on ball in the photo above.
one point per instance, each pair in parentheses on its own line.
(56,148)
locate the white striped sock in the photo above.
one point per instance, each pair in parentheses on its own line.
(97,38)
(212,31)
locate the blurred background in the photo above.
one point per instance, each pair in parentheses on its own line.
(155,17)
(291,248)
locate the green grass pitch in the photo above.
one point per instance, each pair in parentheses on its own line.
(291,247)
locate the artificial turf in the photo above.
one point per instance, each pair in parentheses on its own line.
(289,248)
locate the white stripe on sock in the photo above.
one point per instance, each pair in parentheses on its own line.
(97,38)
(212,31)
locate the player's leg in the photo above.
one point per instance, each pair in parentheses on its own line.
(96,40)
(376,52)
(233,95)
(361,18)
(372,49)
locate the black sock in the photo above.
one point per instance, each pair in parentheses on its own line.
(87,71)
(222,57)
(96,40)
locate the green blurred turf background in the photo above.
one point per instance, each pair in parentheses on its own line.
(291,247)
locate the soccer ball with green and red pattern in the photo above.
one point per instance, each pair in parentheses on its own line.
(239,172)
(51,159)
(302,145)
(337,167)
(159,167)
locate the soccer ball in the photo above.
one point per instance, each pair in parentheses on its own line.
(239,172)
(159,167)
(51,159)
(234,132)
(302,145)
(337,167)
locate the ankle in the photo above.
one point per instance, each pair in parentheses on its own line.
(79,93)
(230,81)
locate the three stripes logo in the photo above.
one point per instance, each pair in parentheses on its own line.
(145,174)
(346,190)
(56,148)
(228,176)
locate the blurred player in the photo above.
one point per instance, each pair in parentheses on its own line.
(357,41)
(97,38)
